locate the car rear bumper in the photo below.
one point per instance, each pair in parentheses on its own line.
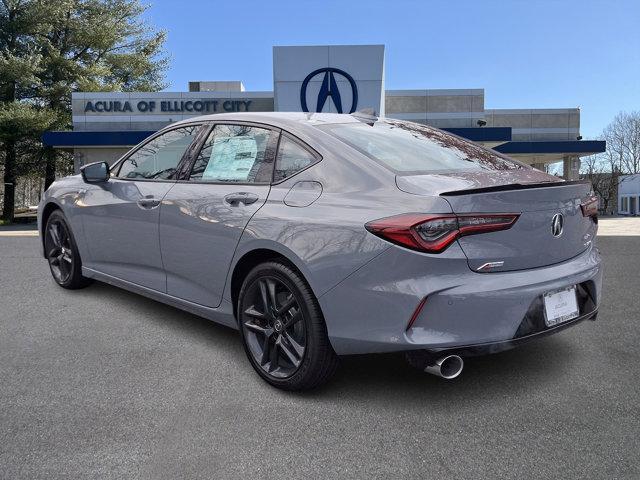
(495,347)
(461,310)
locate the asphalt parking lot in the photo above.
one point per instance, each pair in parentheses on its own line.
(101,383)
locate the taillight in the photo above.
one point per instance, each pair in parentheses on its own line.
(433,233)
(589,207)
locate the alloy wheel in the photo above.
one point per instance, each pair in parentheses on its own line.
(59,251)
(273,326)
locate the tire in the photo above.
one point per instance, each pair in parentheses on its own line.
(277,312)
(62,253)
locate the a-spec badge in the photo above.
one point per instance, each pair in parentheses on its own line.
(489,265)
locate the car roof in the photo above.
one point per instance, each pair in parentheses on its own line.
(286,120)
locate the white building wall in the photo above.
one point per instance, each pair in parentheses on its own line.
(443,108)
(82,156)
(629,194)
(535,124)
(364,63)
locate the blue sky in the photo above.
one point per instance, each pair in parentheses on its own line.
(525,54)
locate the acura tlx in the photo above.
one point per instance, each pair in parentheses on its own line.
(320,235)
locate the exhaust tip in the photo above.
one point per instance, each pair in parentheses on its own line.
(451,366)
(448,367)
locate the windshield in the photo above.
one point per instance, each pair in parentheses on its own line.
(406,147)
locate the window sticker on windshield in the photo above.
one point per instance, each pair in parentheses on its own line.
(231,159)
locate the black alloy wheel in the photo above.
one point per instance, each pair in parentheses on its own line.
(59,255)
(283,329)
(273,328)
(62,253)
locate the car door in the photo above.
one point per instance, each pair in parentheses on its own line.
(204,215)
(120,216)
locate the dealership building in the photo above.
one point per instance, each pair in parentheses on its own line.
(343,79)
(629,194)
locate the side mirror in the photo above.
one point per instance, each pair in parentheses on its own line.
(97,172)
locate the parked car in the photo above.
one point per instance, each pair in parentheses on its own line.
(320,235)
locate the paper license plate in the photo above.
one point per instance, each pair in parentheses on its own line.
(560,306)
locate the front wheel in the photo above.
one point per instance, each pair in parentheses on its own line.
(283,330)
(62,253)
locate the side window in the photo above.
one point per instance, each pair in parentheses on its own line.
(159,158)
(292,157)
(235,154)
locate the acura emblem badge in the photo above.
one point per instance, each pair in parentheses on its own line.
(557,224)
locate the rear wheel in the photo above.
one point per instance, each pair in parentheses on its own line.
(62,253)
(283,330)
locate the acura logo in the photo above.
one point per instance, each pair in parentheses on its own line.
(557,223)
(329,88)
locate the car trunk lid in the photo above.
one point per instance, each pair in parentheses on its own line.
(539,199)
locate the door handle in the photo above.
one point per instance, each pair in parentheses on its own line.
(241,197)
(148,203)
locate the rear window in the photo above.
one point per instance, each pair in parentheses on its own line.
(411,148)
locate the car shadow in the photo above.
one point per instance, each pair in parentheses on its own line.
(182,323)
(387,376)
(382,376)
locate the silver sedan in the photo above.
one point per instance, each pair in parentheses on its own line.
(319,235)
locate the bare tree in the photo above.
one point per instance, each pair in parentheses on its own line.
(621,157)
(623,142)
(604,175)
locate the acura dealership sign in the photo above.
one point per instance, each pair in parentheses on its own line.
(329,89)
(333,78)
(329,78)
(123,111)
(181,106)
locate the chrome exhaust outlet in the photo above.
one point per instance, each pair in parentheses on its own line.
(448,367)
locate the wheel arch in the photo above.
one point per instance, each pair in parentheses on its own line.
(47,210)
(251,258)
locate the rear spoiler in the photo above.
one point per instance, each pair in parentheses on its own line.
(514,186)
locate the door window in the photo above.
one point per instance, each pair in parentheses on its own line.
(159,158)
(235,154)
(292,157)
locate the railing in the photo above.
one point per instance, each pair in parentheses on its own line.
(28,192)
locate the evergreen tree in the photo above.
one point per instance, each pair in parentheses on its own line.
(50,49)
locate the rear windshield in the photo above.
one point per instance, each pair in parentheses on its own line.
(411,148)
